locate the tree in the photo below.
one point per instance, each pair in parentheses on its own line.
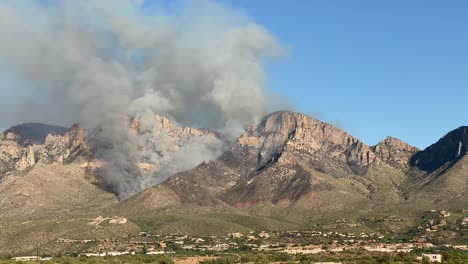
(426,260)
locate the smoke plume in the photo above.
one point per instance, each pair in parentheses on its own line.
(199,63)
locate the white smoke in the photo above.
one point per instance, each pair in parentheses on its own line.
(198,63)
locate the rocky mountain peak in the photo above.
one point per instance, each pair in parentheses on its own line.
(395,152)
(157,124)
(286,137)
(395,144)
(151,123)
(32,133)
(76,140)
(22,146)
(449,149)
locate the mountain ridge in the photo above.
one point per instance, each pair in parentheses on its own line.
(272,143)
(449,148)
(289,171)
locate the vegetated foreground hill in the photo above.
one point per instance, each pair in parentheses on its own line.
(288,172)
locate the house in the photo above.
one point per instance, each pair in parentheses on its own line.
(162,245)
(445,213)
(188,247)
(465,221)
(158,252)
(31,258)
(236,235)
(118,253)
(26,258)
(199,240)
(433,257)
(102,254)
(461,247)
(220,247)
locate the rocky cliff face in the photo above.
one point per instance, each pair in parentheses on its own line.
(285,158)
(395,152)
(289,169)
(21,149)
(159,127)
(286,137)
(448,150)
(288,157)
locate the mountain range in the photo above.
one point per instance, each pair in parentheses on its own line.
(290,171)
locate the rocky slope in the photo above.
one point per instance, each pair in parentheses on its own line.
(21,149)
(439,174)
(291,159)
(288,171)
(395,152)
(287,159)
(448,150)
(71,153)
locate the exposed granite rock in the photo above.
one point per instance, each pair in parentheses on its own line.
(159,127)
(18,152)
(287,157)
(282,159)
(27,160)
(76,139)
(287,136)
(395,152)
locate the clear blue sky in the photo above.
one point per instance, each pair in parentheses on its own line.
(375,68)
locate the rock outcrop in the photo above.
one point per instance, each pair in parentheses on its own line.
(448,150)
(285,158)
(286,137)
(22,151)
(288,158)
(21,147)
(395,152)
(174,136)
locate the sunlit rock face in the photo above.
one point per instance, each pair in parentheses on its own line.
(287,136)
(164,148)
(21,147)
(395,152)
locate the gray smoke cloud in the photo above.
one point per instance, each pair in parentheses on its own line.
(199,63)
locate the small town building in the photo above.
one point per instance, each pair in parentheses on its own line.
(433,257)
(264,234)
(236,235)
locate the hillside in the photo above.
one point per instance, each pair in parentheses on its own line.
(439,174)
(290,171)
(288,158)
(292,168)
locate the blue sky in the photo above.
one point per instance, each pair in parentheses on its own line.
(374,68)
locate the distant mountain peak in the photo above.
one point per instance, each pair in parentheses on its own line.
(396,143)
(448,150)
(395,152)
(33,133)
